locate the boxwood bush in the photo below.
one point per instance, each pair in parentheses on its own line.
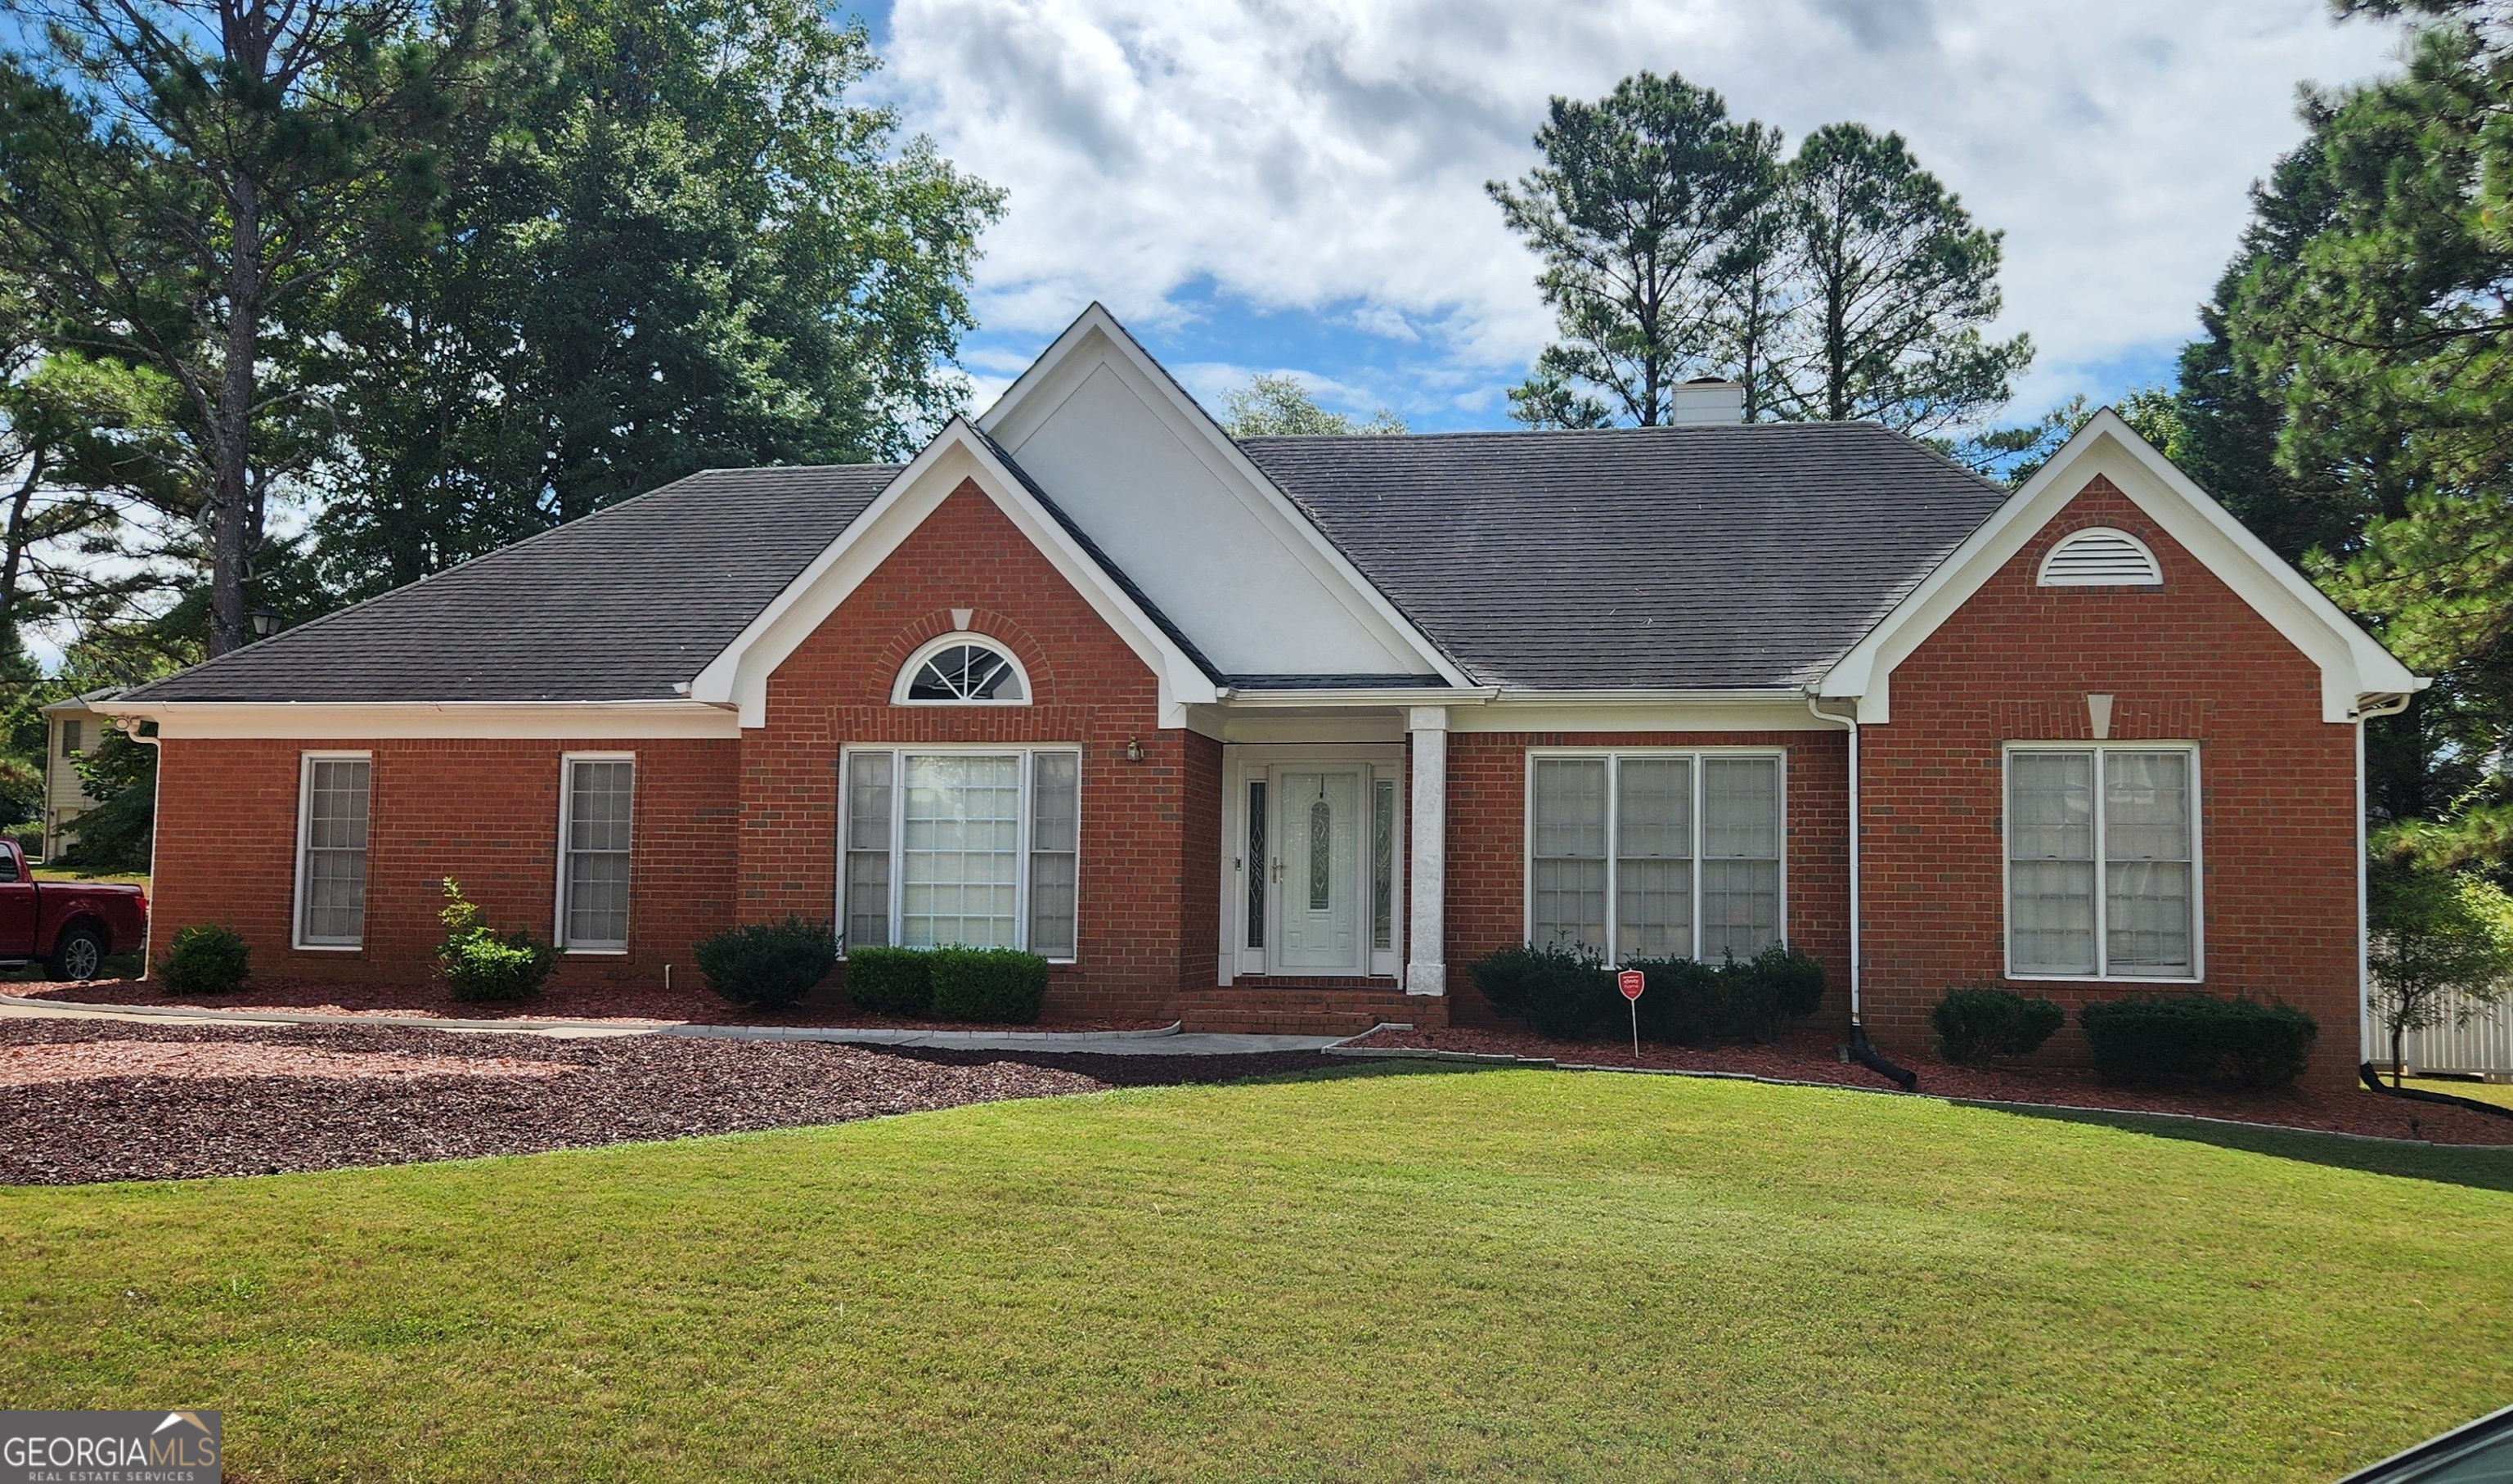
(1568,991)
(1559,989)
(768,964)
(1001,986)
(891,981)
(205,959)
(1977,1024)
(2199,1038)
(480,965)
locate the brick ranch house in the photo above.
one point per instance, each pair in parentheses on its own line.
(1287,731)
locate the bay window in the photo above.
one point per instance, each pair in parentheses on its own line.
(969,846)
(2102,862)
(1656,854)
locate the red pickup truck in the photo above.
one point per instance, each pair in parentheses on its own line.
(70,925)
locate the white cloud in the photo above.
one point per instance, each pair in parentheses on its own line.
(1314,156)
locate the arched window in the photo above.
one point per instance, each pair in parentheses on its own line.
(961,670)
(2099,556)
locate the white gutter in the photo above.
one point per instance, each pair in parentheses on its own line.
(1849,723)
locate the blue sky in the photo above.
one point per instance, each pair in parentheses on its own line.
(1297,184)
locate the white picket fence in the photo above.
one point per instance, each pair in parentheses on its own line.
(2485,1044)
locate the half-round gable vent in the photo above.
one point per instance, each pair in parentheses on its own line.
(2100,557)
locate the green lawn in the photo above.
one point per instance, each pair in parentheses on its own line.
(1490,1275)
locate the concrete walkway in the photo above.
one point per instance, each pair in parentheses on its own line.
(1166,1041)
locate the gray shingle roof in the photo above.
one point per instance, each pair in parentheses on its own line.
(1693,558)
(617,606)
(1706,558)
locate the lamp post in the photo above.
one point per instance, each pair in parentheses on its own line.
(265,622)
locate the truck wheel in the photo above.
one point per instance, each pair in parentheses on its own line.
(77,954)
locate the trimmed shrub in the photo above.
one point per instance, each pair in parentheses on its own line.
(1559,990)
(205,959)
(1977,1024)
(2199,1037)
(480,965)
(891,980)
(1690,1003)
(768,964)
(1568,991)
(1001,986)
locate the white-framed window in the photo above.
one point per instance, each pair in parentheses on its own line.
(2102,860)
(1657,853)
(596,798)
(974,845)
(961,670)
(73,737)
(334,792)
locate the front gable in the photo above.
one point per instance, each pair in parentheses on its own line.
(1139,467)
(2109,458)
(960,460)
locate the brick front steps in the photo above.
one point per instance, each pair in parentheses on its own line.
(1315,1008)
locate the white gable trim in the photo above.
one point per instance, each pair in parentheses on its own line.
(2353,665)
(1095,339)
(738,676)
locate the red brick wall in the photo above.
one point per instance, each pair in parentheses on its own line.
(1487,844)
(1150,851)
(483,812)
(2187,662)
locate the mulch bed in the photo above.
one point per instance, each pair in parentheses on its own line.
(685,1003)
(1816,1058)
(325,1097)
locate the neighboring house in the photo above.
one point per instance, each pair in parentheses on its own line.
(70,728)
(1287,732)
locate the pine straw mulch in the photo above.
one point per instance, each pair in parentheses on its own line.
(1814,1057)
(89,1099)
(689,1002)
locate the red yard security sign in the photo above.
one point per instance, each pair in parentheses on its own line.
(1632,981)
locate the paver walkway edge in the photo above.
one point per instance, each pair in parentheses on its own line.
(1163,1041)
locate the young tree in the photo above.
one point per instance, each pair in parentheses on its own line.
(2441,947)
(175,174)
(1899,287)
(1275,406)
(1636,213)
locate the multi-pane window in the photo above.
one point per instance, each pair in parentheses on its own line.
(1650,855)
(963,847)
(593,866)
(332,852)
(962,674)
(2102,844)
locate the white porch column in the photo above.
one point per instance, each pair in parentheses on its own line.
(1425,973)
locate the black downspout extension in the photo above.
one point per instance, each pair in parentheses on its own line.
(2373,1080)
(1865,1056)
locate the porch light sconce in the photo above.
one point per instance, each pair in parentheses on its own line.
(1134,749)
(265,622)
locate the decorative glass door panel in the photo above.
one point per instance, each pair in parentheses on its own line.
(1315,872)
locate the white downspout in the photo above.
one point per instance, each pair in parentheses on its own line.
(2387,706)
(1850,724)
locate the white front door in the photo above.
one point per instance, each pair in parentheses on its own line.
(1317,875)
